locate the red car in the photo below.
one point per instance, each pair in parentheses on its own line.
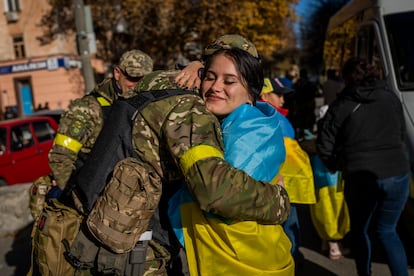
(24,147)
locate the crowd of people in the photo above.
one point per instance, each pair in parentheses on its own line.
(212,162)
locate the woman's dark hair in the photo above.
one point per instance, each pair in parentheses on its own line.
(358,71)
(249,67)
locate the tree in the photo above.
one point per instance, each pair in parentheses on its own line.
(313,30)
(170,29)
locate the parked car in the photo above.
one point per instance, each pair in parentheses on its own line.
(55,114)
(24,147)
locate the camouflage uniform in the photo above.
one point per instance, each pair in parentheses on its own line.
(81,123)
(78,130)
(179,139)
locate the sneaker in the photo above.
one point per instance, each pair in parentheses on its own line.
(334,251)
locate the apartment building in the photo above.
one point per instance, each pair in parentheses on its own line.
(31,74)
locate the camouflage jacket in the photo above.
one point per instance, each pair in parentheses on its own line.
(78,129)
(178,138)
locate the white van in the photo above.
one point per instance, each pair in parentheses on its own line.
(381,31)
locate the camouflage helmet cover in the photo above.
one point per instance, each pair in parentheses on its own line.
(158,80)
(231,41)
(136,63)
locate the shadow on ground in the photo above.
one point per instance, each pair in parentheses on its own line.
(19,255)
(311,240)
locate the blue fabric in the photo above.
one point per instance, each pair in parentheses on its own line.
(287,128)
(292,230)
(180,197)
(321,175)
(253,142)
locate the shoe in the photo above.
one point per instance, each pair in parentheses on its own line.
(334,251)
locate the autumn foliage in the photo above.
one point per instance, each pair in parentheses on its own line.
(177,30)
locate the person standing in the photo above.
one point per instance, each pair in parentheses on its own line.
(79,128)
(302,106)
(331,87)
(362,134)
(81,123)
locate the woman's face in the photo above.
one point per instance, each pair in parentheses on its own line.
(223,88)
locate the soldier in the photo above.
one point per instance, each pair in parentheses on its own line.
(176,139)
(78,130)
(81,123)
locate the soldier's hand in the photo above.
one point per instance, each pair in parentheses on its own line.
(189,77)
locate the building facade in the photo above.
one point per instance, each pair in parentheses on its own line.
(33,75)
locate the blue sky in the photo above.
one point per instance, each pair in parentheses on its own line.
(300,12)
(301,6)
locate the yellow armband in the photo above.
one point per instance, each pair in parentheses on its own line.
(197,153)
(68,142)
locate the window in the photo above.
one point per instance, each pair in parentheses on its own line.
(3,140)
(399,30)
(11,5)
(18,45)
(44,131)
(21,137)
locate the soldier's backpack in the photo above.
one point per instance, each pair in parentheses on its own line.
(117,191)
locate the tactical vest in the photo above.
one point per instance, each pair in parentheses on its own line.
(97,185)
(113,144)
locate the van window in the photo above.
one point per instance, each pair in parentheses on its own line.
(21,137)
(43,131)
(400,29)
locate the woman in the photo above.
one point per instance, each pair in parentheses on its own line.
(231,83)
(362,134)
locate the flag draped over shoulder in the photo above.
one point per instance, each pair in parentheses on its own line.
(297,174)
(253,142)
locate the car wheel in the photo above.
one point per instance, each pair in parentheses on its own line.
(3,183)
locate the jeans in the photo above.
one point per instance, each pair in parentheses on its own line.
(292,230)
(384,199)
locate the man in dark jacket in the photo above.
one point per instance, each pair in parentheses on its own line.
(363,135)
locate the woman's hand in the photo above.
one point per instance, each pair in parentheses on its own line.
(188,78)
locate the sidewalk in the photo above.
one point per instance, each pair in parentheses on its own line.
(15,254)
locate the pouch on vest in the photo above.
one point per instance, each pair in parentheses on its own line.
(126,206)
(56,222)
(37,195)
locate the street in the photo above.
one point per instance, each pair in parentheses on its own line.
(15,254)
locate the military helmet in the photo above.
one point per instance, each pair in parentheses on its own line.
(158,80)
(231,41)
(136,63)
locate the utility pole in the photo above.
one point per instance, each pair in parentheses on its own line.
(82,39)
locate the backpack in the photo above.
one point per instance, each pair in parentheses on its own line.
(55,223)
(119,194)
(113,144)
